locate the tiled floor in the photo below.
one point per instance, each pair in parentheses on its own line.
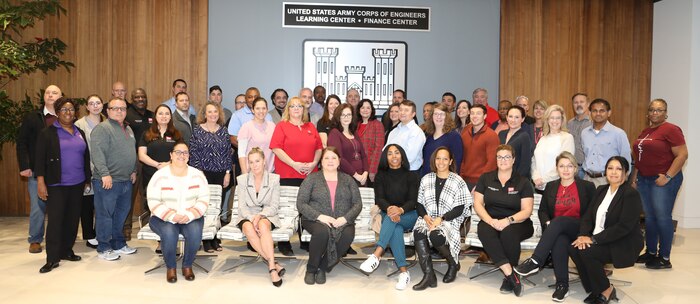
(97,281)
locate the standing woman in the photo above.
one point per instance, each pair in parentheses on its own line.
(462,115)
(503,199)
(353,160)
(609,232)
(328,202)
(256,133)
(62,169)
(323,126)
(87,212)
(178,197)
(371,133)
(659,154)
(563,203)
(442,207)
(518,138)
(537,129)
(398,208)
(439,132)
(393,120)
(210,152)
(258,195)
(556,139)
(157,142)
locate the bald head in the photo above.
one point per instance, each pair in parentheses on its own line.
(119,90)
(51,94)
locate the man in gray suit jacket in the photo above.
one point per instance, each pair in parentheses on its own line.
(182,124)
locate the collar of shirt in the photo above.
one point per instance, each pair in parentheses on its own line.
(184,115)
(60,127)
(512,180)
(46,111)
(401,125)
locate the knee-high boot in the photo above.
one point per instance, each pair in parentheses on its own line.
(452,265)
(426,264)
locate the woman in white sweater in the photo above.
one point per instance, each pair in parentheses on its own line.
(178,196)
(555,139)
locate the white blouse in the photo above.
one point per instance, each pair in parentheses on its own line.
(602,211)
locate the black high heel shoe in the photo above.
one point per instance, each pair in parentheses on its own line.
(282,271)
(276,283)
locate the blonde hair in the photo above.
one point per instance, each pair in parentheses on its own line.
(304,115)
(570,157)
(547,113)
(256,150)
(203,113)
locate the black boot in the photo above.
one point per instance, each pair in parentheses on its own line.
(514,280)
(426,264)
(452,265)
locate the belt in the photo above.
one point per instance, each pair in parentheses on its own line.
(594,175)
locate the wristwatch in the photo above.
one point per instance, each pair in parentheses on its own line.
(668,177)
(511,219)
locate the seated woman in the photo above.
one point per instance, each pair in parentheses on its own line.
(328,202)
(442,207)
(258,195)
(178,197)
(609,232)
(503,199)
(395,192)
(563,202)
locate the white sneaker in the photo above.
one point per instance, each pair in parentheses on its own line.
(404,280)
(93,242)
(109,255)
(126,250)
(370,264)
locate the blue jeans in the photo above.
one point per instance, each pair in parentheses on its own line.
(37,213)
(111,209)
(391,234)
(658,207)
(169,234)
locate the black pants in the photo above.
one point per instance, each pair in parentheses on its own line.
(590,263)
(556,239)
(319,243)
(504,246)
(436,238)
(87,217)
(63,207)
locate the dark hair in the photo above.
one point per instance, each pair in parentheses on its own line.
(110,101)
(325,119)
(433,168)
(508,148)
(430,103)
(599,101)
(579,94)
(402,92)
(178,80)
(454,98)
(179,143)
(64,100)
(409,103)
(181,93)
(331,149)
(215,88)
(153,133)
(384,159)
(480,106)
(272,97)
(623,162)
(458,122)
(260,99)
(519,108)
(335,122)
(371,115)
(386,119)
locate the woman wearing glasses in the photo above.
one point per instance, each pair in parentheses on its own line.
(353,159)
(439,131)
(503,199)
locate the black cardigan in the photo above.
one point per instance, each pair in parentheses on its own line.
(32,124)
(48,156)
(586,191)
(622,230)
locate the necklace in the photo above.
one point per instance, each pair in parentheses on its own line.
(564,188)
(356,155)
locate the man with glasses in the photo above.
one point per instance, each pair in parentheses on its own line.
(139,119)
(601,141)
(31,125)
(112,152)
(239,102)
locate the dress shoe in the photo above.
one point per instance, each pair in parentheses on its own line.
(320,277)
(48,267)
(187,273)
(506,287)
(603,300)
(310,278)
(35,248)
(171,275)
(590,298)
(72,257)
(285,248)
(277,283)
(282,271)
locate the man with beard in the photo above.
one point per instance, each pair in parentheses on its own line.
(579,122)
(279,101)
(139,118)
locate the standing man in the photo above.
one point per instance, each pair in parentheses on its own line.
(307,97)
(601,141)
(32,124)
(119,91)
(353,98)
(576,124)
(524,103)
(449,100)
(245,114)
(319,101)
(139,119)
(114,172)
(408,135)
(216,94)
(481,96)
(480,143)
(179,86)
(279,101)
(183,119)
(239,102)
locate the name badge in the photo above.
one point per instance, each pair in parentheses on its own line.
(138,120)
(150,120)
(493,189)
(169,139)
(511,190)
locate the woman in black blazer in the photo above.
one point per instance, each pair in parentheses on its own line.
(563,202)
(609,232)
(62,168)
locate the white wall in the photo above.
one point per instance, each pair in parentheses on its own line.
(249,47)
(675,76)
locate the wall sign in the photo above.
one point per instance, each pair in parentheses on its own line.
(324,15)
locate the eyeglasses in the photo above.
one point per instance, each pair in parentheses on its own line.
(507,157)
(94,103)
(296,106)
(118,109)
(67,110)
(240,102)
(345,115)
(438,114)
(657,111)
(181,153)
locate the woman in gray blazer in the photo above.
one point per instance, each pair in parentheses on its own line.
(258,195)
(328,201)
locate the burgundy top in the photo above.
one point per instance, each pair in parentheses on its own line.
(652,149)
(353,158)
